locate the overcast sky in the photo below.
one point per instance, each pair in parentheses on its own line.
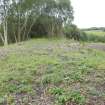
(89,13)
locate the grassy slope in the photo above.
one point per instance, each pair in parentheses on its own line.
(53,72)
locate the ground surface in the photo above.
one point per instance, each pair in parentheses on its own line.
(52,72)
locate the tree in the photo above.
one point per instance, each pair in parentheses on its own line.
(21,18)
(53,16)
(72,32)
(4,7)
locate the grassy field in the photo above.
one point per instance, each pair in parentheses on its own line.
(51,72)
(95,36)
(97,33)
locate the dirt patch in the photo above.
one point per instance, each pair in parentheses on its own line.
(98,46)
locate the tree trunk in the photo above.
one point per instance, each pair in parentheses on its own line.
(5,33)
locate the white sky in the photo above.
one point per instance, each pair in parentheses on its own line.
(89,13)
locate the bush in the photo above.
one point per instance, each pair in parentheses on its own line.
(83,36)
(72,32)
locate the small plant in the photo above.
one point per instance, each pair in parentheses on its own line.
(12,88)
(56,91)
(62,97)
(74,77)
(25,89)
(72,97)
(46,79)
(83,69)
(76,96)
(54,78)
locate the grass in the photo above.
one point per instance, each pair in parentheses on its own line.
(95,36)
(58,68)
(97,33)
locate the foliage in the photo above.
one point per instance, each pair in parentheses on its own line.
(21,19)
(46,27)
(63,97)
(72,32)
(95,36)
(72,97)
(56,91)
(65,74)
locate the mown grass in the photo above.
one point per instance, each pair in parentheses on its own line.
(69,76)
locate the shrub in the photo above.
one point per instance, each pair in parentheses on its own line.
(83,36)
(72,32)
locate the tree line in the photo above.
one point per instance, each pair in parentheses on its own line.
(24,19)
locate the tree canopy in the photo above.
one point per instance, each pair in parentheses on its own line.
(22,19)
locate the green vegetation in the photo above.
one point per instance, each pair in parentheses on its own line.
(63,97)
(97,33)
(95,36)
(63,70)
(73,32)
(24,19)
